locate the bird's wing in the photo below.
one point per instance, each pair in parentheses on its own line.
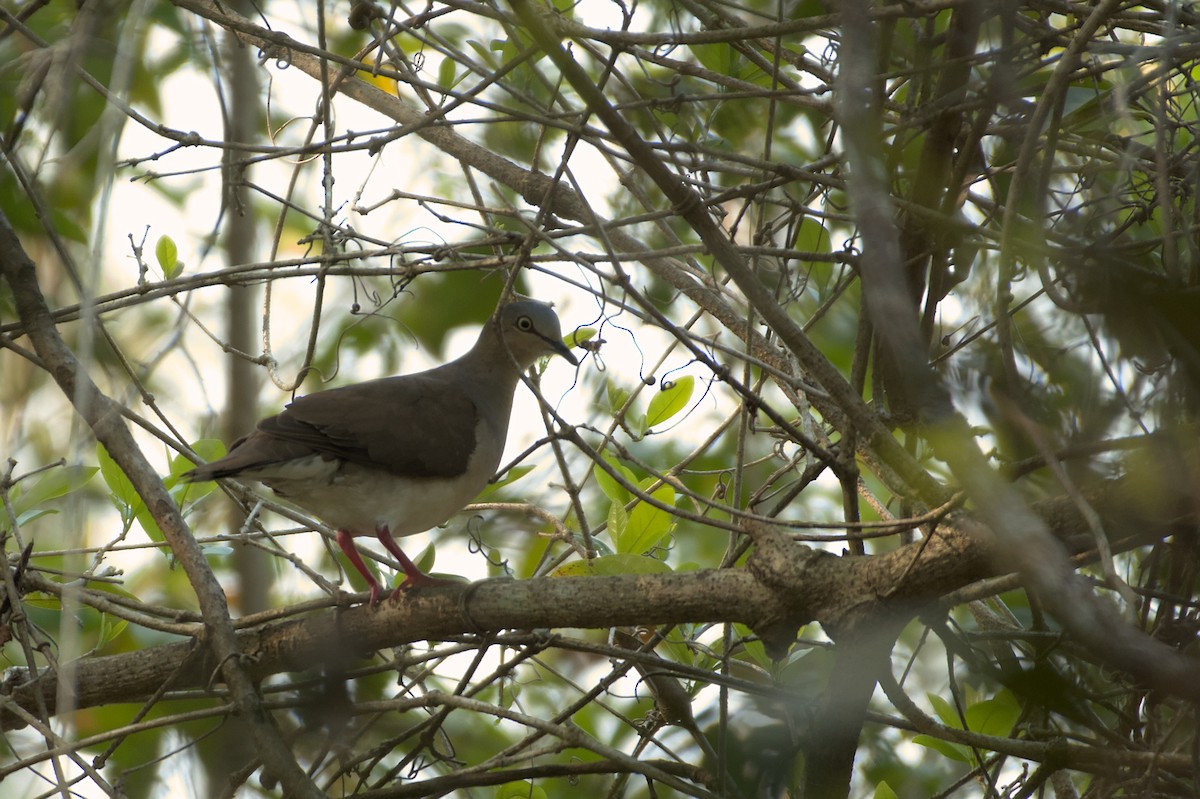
(413,425)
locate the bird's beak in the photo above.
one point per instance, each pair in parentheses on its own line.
(563,350)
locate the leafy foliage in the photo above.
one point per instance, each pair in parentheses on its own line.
(875,279)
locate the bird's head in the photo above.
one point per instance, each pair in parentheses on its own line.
(531,330)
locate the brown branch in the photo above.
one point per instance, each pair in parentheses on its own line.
(786,586)
(443,785)
(302,644)
(1024,542)
(103,416)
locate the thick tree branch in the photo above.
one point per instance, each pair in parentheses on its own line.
(786,586)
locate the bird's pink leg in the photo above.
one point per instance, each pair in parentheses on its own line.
(346,542)
(413,576)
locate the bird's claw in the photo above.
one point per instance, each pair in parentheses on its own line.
(377,595)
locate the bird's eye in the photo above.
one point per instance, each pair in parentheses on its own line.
(525,323)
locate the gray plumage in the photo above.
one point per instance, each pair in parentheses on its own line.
(398,455)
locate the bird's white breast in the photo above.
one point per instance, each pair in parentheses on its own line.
(351,497)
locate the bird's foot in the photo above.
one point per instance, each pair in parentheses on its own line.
(377,594)
(418,579)
(421,580)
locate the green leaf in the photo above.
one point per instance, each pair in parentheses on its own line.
(618,520)
(512,47)
(426,559)
(718,57)
(576,338)
(209,449)
(612,565)
(884,791)
(1078,97)
(749,641)
(672,399)
(121,491)
(520,790)
(812,237)
(807,8)
(446,77)
(598,544)
(168,257)
(146,520)
(111,627)
(485,52)
(611,488)
(52,485)
(26,517)
(945,711)
(807,673)
(996,716)
(647,525)
(511,476)
(617,397)
(68,227)
(126,500)
(635,422)
(950,750)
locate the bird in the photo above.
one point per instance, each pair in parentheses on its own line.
(398,455)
